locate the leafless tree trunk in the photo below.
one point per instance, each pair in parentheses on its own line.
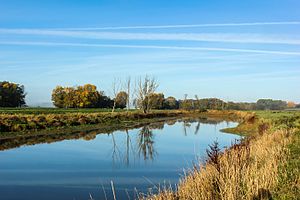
(198,102)
(116,87)
(128,87)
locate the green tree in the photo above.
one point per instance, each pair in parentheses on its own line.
(187,104)
(170,103)
(121,100)
(58,97)
(270,104)
(212,103)
(104,101)
(155,101)
(11,94)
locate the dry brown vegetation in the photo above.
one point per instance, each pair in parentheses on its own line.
(248,170)
(25,122)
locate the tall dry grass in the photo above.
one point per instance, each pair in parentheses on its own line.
(245,171)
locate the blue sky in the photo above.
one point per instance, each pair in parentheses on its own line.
(234,50)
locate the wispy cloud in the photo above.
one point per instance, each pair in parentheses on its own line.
(186,26)
(258,76)
(201,37)
(153,47)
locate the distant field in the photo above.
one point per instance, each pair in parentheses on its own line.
(37,110)
(268,114)
(55,110)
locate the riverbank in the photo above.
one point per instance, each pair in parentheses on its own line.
(33,122)
(270,148)
(27,121)
(52,125)
(108,123)
(265,165)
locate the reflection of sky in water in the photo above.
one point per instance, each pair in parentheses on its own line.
(74,168)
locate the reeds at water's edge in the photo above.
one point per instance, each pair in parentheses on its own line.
(248,170)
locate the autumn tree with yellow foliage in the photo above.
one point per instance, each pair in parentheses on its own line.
(86,96)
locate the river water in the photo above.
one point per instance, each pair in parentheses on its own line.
(133,161)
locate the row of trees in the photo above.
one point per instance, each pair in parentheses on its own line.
(141,95)
(147,99)
(218,104)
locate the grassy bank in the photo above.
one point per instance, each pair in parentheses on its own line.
(265,165)
(32,122)
(289,179)
(37,110)
(32,119)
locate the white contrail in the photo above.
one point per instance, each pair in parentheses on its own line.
(154,47)
(203,37)
(185,26)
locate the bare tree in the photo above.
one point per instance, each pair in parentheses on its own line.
(116,87)
(128,90)
(185,96)
(144,87)
(198,102)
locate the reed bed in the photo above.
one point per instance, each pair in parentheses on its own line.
(248,170)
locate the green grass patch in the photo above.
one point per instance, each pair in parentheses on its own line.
(289,185)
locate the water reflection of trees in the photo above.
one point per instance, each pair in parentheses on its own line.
(15,142)
(141,147)
(187,123)
(116,154)
(145,142)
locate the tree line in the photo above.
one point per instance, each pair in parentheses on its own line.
(140,94)
(218,104)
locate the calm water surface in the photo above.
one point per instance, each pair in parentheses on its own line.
(133,160)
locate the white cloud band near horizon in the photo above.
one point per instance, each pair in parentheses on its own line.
(152,47)
(201,37)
